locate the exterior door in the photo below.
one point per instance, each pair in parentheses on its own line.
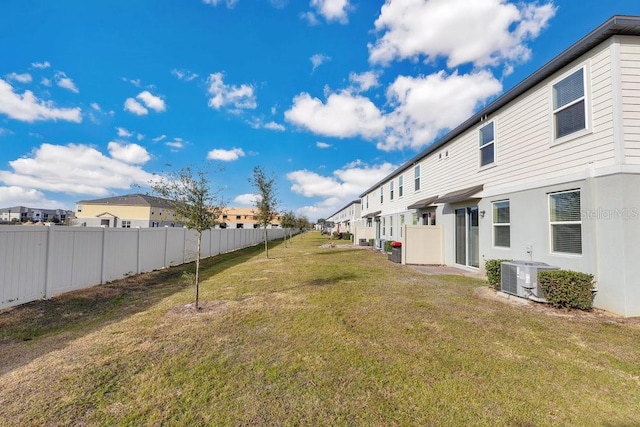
(467,237)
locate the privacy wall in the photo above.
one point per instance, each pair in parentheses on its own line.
(39,262)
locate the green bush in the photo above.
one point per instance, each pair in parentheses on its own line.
(566,288)
(387,245)
(372,242)
(346,236)
(492,268)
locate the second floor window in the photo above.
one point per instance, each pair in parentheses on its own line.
(416,175)
(569,106)
(381,194)
(391,190)
(487,145)
(400,185)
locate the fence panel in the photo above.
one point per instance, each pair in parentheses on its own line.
(75,258)
(23,255)
(174,246)
(120,253)
(152,248)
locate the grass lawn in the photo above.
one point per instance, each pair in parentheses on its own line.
(313,336)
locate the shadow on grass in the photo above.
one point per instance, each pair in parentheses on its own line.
(22,328)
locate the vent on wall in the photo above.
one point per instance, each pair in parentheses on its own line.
(521,278)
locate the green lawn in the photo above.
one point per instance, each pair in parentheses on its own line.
(313,336)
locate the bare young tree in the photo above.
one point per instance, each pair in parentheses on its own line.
(196,205)
(266,202)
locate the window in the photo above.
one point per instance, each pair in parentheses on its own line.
(384,223)
(569,106)
(381,194)
(391,190)
(501,224)
(155,224)
(367,201)
(487,146)
(400,185)
(564,219)
(416,175)
(401,224)
(126,224)
(79,208)
(238,217)
(391,226)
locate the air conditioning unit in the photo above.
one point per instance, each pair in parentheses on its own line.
(521,278)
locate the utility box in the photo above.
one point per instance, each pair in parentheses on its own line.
(396,252)
(521,278)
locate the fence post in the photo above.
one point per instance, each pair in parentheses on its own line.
(166,243)
(103,266)
(139,252)
(48,263)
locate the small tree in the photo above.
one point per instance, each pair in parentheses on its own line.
(266,203)
(195,205)
(288,222)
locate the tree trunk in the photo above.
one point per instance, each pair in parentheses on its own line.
(266,245)
(198,270)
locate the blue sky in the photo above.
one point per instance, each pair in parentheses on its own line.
(329,96)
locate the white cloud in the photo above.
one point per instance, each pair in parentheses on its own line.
(45,82)
(19,196)
(96,106)
(135,107)
(364,81)
(481,32)
(318,59)
(28,108)
(132,154)
(185,75)
(175,145)
(259,124)
(151,101)
(237,97)
(225,155)
(41,65)
(21,78)
(230,3)
(310,17)
(159,138)
(246,199)
(344,115)
(135,82)
(123,132)
(332,10)
(73,169)
(322,145)
(65,82)
(426,106)
(334,191)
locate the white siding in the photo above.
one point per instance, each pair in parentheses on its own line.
(630,76)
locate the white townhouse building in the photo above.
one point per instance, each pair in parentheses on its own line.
(346,218)
(548,172)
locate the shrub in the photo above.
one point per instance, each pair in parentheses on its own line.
(566,288)
(346,236)
(387,245)
(372,242)
(492,268)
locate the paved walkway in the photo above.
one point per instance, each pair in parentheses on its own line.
(445,269)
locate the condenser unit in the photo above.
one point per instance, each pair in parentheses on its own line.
(521,278)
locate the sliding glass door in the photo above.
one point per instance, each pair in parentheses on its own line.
(467,237)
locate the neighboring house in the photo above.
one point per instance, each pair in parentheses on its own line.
(23,214)
(548,172)
(345,219)
(242,218)
(127,211)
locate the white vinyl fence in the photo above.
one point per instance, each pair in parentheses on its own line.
(39,262)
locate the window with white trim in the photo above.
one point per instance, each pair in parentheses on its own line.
(501,224)
(391,190)
(400,185)
(381,194)
(384,223)
(367,201)
(565,222)
(401,224)
(487,144)
(391,226)
(569,105)
(125,224)
(416,176)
